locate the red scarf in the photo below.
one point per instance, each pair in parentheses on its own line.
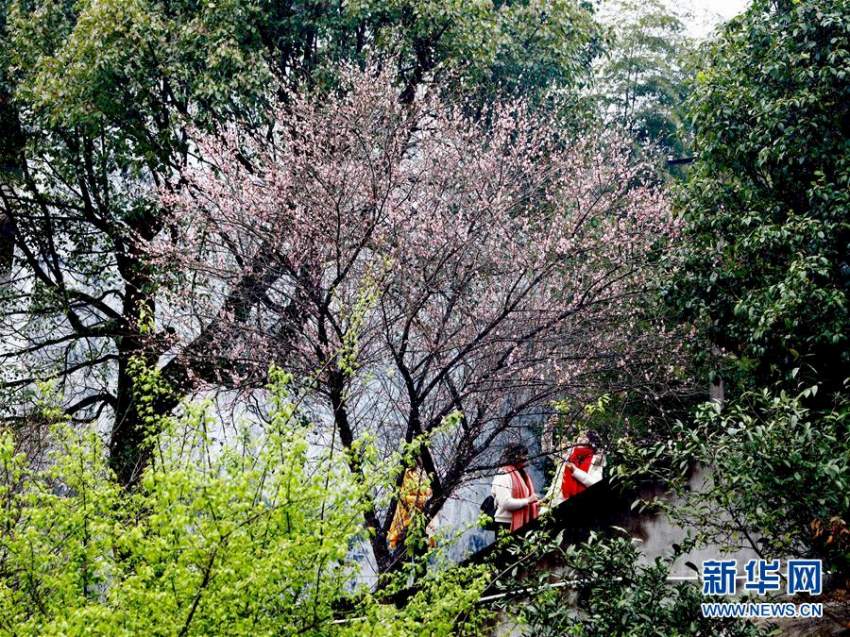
(521,487)
(581,457)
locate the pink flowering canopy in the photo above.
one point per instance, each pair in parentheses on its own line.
(408,263)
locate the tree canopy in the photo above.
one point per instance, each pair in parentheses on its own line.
(765,261)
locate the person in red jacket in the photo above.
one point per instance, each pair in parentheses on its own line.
(581,466)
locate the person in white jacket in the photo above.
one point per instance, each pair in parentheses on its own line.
(513,490)
(587,452)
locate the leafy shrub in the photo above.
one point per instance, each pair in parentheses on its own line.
(610,591)
(253,538)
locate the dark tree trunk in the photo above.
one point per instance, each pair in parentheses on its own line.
(378,538)
(11,148)
(128,452)
(7,246)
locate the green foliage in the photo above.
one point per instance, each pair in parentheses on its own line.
(610,591)
(146,64)
(642,79)
(777,476)
(245,538)
(489,49)
(764,268)
(763,273)
(482,49)
(87,65)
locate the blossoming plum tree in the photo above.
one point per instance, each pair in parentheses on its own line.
(414,264)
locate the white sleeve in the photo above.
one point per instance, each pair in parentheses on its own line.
(593,473)
(502,491)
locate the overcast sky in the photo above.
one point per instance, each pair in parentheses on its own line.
(706,14)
